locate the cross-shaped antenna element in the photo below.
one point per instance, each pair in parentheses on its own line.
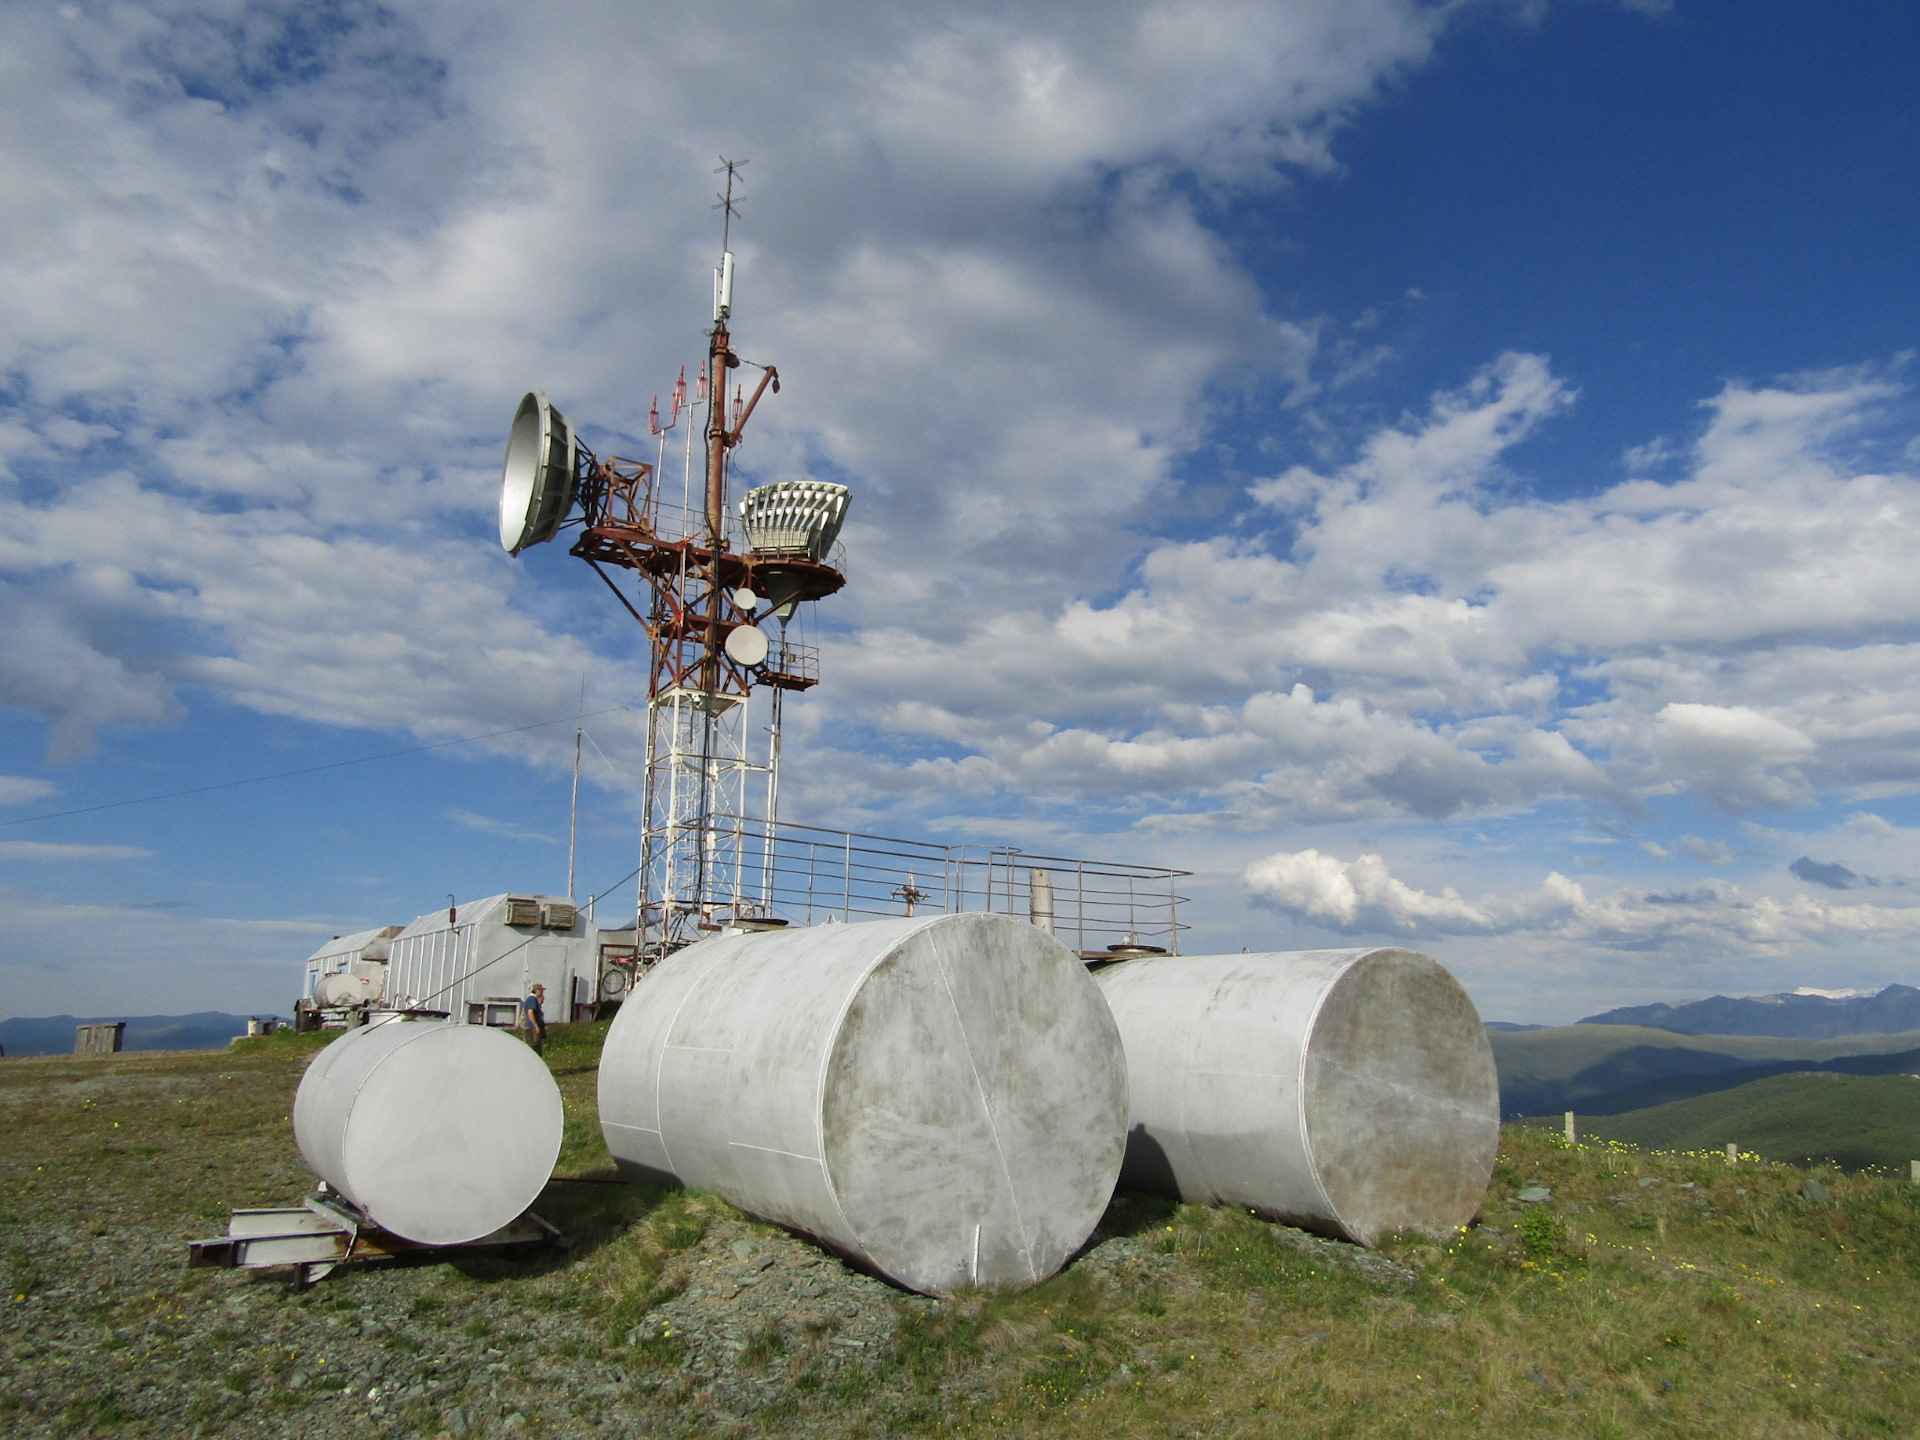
(728,202)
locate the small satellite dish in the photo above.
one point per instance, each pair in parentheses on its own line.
(747,645)
(745,599)
(536,482)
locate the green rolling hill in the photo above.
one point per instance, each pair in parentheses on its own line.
(1855,1121)
(1571,1067)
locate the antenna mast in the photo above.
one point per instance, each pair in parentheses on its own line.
(708,582)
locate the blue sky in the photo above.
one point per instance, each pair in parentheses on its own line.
(1443,474)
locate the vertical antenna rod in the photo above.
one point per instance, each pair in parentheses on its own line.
(720,359)
(573,816)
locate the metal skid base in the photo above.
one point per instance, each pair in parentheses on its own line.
(325,1231)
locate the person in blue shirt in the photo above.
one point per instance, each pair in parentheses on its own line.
(533,1018)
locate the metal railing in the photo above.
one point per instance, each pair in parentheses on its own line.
(807,874)
(673,520)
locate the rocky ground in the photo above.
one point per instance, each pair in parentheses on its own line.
(122,1339)
(760,1331)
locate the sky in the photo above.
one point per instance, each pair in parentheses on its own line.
(1444,474)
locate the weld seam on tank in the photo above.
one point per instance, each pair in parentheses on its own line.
(1300,1090)
(774,1150)
(659,1068)
(993,1124)
(819,1116)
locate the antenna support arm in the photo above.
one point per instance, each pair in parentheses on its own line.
(771,377)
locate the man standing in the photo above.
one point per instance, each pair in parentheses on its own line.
(533,1018)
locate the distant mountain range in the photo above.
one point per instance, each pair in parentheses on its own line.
(53,1034)
(1801,1015)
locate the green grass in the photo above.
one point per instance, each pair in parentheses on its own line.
(1712,1303)
(285,1042)
(1854,1121)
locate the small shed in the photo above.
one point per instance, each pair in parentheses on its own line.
(101,1038)
(478,961)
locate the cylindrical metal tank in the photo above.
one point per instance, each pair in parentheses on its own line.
(363,982)
(1351,1092)
(438,1133)
(941,1099)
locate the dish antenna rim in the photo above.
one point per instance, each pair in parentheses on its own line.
(537,475)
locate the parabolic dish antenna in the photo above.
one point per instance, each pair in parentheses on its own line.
(747,645)
(536,482)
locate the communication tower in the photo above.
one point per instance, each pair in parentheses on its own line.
(705,580)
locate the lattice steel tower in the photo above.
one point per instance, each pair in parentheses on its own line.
(709,578)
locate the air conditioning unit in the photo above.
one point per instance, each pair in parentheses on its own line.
(522,912)
(559,915)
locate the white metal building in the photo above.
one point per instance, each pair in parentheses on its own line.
(478,961)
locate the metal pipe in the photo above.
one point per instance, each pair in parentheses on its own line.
(1040,899)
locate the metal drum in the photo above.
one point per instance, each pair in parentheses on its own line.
(940,1099)
(438,1133)
(1351,1092)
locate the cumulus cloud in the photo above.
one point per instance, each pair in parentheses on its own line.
(1412,633)
(277,282)
(265,318)
(1361,897)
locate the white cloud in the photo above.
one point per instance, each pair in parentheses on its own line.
(21,789)
(47,850)
(486,825)
(1361,897)
(1710,852)
(263,318)
(287,278)
(1733,754)
(1418,636)
(1404,633)
(66,958)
